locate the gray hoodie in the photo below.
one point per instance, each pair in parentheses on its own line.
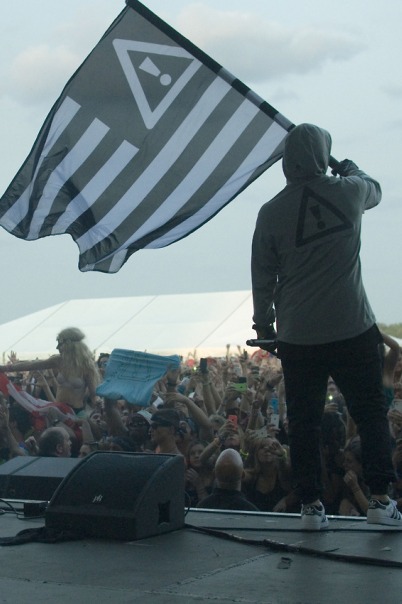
(305,254)
(306,153)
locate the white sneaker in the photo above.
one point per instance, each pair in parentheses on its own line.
(313,517)
(383,513)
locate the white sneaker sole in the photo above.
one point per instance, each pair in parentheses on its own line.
(379,519)
(311,524)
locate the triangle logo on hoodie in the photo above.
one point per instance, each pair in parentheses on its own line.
(318,218)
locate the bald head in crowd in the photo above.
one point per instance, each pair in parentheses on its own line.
(229,470)
(226,493)
(54,442)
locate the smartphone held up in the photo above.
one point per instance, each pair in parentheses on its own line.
(203,366)
(241,384)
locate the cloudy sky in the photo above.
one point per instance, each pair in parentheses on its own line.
(337,65)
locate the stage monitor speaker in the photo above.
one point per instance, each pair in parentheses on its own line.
(119,495)
(34,478)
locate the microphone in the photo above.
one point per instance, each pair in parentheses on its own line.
(260,343)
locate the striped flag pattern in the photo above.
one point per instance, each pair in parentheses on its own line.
(149,139)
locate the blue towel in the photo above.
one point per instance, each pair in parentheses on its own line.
(132,375)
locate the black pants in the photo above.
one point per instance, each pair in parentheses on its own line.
(355,366)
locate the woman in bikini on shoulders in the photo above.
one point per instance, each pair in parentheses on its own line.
(76,372)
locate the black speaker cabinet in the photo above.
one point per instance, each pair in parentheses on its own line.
(120,495)
(34,478)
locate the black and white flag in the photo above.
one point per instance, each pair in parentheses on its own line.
(149,139)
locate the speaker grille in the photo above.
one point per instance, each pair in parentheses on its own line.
(120,495)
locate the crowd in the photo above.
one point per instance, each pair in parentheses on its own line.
(225,416)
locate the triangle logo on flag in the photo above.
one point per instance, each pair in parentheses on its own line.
(318,218)
(156,74)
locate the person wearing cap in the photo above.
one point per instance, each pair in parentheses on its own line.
(134,427)
(138,430)
(195,417)
(164,431)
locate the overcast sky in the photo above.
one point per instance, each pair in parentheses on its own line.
(336,65)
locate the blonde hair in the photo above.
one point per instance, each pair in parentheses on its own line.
(253,463)
(76,358)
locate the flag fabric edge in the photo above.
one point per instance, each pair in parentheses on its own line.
(216,67)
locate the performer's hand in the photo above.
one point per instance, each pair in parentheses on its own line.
(345,167)
(267,333)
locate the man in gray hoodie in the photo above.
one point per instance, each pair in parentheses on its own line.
(306,274)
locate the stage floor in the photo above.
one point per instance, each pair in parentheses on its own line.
(188,566)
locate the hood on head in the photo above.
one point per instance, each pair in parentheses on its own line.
(306,153)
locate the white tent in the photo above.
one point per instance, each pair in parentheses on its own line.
(185,324)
